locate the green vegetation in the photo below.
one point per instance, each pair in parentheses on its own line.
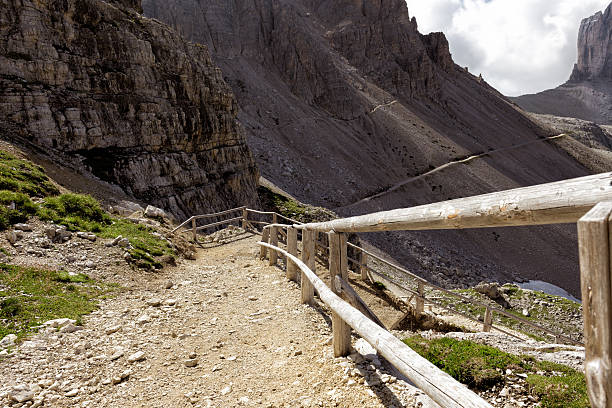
(22,181)
(78,212)
(542,310)
(29,297)
(22,176)
(14,208)
(480,367)
(565,388)
(272,201)
(145,245)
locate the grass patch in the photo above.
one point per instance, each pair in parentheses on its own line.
(29,297)
(560,386)
(480,367)
(22,176)
(78,212)
(15,208)
(146,246)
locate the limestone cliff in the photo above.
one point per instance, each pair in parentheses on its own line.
(138,105)
(594,48)
(587,94)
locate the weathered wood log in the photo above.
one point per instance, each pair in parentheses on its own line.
(308,256)
(337,268)
(214,224)
(364,267)
(347,292)
(441,387)
(265,236)
(245,218)
(488,320)
(292,236)
(553,203)
(420,300)
(273,241)
(594,239)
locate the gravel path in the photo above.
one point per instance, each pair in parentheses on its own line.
(223,331)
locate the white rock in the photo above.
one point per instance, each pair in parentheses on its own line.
(69,328)
(170,302)
(73,393)
(8,340)
(143,319)
(152,212)
(226,390)
(59,322)
(112,329)
(117,353)
(192,362)
(154,302)
(21,396)
(23,227)
(366,350)
(138,356)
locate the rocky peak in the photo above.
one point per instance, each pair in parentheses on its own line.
(594,48)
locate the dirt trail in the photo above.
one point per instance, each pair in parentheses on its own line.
(238,320)
(446,165)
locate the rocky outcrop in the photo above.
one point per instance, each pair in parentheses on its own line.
(594,48)
(342,99)
(136,103)
(587,94)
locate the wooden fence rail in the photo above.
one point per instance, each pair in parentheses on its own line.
(561,202)
(441,387)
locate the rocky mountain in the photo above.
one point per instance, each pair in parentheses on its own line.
(342,99)
(587,94)
(128,97)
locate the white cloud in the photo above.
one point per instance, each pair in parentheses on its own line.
(519,46)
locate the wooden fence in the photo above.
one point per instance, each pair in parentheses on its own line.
(561,202)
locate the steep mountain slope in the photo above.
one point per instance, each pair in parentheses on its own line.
(341,99)
(588,93)
(126,95)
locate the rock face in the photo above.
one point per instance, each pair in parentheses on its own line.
(588,93)
(594,48)
(137,104)
(342,99)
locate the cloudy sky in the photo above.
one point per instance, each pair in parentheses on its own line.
(519,46)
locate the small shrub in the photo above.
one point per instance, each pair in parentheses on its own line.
(9,308)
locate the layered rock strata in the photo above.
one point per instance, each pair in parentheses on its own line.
(136,103)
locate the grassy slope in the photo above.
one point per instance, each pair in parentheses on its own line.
(29,297)
(481,367)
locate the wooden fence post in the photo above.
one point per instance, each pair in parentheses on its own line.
(274,218)
(195,233)
(594,244)
(245,216)
(364,267)
(488,320)
(265,235)
(273,241)
(338,266)
(308,257)
(292,249)
(420,300)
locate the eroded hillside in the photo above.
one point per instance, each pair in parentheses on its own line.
(342,99)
